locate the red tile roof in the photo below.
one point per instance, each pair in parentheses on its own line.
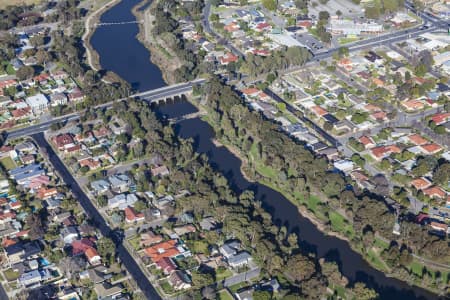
(420,183)
(431,148)
(367,141)
(227,58)
(131,215)
(440,118)
(80,246)
(435,192)
(318,110)
(417,139)
(161,250)
(63,140)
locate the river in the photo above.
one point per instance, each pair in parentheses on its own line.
(122,53)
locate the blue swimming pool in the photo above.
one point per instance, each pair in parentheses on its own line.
(42,261)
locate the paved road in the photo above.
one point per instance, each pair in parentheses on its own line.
(207,28)
(306,120)
(151,96)
(125,257)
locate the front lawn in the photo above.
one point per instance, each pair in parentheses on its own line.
(221,275)
(167,288)
(11,275)
(225,295)
(8,163)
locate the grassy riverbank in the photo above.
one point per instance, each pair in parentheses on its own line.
(327,220)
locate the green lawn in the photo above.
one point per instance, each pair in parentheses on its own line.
(291,118)
(11,275)
(346,40)
(381,244)
(167,288)
(222,275)
(8,163)
(225,295)
(134,242)
(236,287)
(260,167)
(375,260)
(312,203)
(198,246)
(338,224)
(417,268)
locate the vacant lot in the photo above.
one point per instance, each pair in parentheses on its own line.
(5,3)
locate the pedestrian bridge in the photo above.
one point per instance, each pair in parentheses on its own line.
(117,23)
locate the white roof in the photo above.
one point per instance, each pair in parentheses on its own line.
(37,100)
(285,39)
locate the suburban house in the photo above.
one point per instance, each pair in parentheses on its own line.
(92,256)
(131,216)
(38,103)
(240,259)
(179,280)
(64,141)
(122,201)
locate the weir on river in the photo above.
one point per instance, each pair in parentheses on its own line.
(122,53)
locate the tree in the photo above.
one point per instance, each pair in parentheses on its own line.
(25,72)
(201,279)
(107,249)
(343,51)
(270,4)
(34,223)
(363,293)
(338,13)
(102,201)
(37,40)
(140,205)
(324,15)
(300,267)
(441,174)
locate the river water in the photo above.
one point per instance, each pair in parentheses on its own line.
(122,53)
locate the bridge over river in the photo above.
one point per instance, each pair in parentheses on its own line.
(157,96)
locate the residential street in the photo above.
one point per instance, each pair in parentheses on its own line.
(125,257)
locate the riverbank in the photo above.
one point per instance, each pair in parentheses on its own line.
(371,256)
(92,57)
(160,54)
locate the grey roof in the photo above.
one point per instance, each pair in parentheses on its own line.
(24,169)
(100,185)
(242,257)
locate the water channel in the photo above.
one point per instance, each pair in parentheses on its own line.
(121,52)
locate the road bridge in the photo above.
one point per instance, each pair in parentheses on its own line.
(157,96)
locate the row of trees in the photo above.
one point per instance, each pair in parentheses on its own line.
(299,173)
(275,249)
(278,60)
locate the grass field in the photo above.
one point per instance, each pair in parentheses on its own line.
(225,295)
(5,3)
(260,167)
(375,260)
(416,268)
(8,163)
(338,224)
